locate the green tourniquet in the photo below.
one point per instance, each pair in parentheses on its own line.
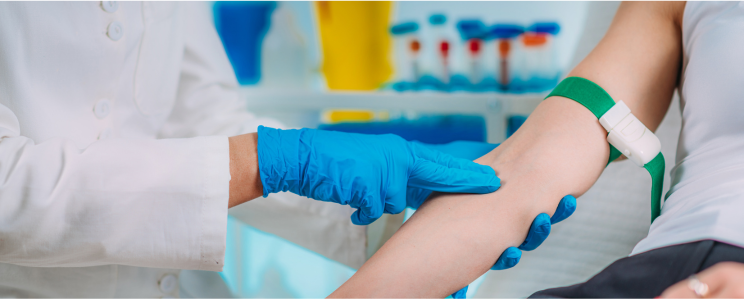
(589,95)
(586,93)
(596,99)
(655,168)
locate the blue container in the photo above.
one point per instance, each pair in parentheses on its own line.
(433,129)
(242,27)
(437,19)
(472,29)
(545,27)
(404,28)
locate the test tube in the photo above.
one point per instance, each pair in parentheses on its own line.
(414,47)
(472,33)
(535,61)
(474,49)
(442,46)
(407,47)
(541,36)
(504,35)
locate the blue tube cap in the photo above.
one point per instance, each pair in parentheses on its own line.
(471,29)
(545,27)
(437,19)
(505,31)
(404,28)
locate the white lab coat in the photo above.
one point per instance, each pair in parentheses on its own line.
(105,187)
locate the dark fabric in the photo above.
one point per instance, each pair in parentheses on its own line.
(648,274)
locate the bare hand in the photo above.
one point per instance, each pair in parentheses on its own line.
(724,280)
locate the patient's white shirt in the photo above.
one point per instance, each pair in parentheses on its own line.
(706,200)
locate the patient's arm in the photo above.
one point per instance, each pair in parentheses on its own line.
(561,149)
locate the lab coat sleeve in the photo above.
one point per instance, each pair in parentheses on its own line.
(147,203)
(208,103)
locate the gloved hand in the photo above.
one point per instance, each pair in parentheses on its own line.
(540,228)
(468,150)
(368,172)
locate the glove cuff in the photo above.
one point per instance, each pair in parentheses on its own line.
(278,160)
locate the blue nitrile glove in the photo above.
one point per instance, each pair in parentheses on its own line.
(368,172)
(469,150)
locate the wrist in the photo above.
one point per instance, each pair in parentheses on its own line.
(245,182)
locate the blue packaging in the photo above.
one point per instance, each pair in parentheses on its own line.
(242,27)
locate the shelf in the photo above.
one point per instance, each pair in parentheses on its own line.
(303,108)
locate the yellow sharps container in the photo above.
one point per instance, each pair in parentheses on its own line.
(356,43)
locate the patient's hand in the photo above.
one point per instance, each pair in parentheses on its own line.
(723,280)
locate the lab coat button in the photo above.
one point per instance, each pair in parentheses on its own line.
(115,31)
(168,283)
(102,109)
(109,6)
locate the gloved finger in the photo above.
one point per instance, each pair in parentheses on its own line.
(565,209)
(539,231)
(464,149)
(436,177)
(449,160)
(395,204)
(509,258)
(366,214)
(461,293)
(416,196)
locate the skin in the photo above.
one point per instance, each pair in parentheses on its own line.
(245,181)
(561,145)
(724,280)
(561,149)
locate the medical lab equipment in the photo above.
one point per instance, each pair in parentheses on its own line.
(504,36)
(435,57)
(407,46)
(371,173)
(441,47)
(472,33)
(336,116)
(355,43)
(503,57)
(534,59)
(426,128)
(627,135)
(242,27)
(539,63)
(551,28)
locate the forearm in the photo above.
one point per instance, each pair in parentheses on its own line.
(245,181)
(453,239)
(561,149)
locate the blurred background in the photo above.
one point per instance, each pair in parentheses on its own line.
(435,72)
